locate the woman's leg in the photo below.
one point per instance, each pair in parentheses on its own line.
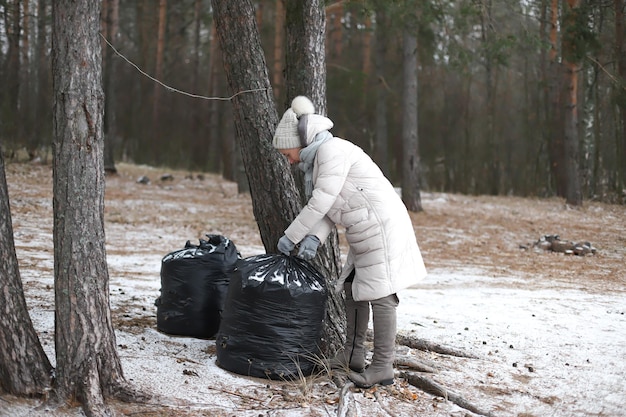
(380,370)
(357,319)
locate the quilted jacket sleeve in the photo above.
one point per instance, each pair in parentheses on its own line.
(322,229)
(332,169)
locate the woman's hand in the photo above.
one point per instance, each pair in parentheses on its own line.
(285,245)
(308,247)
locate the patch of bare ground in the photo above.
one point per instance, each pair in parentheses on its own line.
(497,235)
(492,233)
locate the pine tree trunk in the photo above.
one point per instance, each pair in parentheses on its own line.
(573,192)
(620,53)
(335,38)
(110,121)
(305,71)
(158,72)
(491,153)
(410,154)
(279,41)
(215,120)
(88,367)
(25,129)
(41,75)
(24,367)
(555,134)
(275,197)
(9,93)
(380,59)
(197,114)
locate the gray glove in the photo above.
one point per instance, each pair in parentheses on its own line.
(308,247)
(285,245)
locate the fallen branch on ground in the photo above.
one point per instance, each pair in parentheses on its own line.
(382,404)
(346,406)
(432,387)
(414,364)
(237,394)
(425,345)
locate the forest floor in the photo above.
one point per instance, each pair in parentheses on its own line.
(547,330)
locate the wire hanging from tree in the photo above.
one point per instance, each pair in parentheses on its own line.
(175,90)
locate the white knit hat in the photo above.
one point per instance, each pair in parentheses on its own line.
(310,125)
(287,135)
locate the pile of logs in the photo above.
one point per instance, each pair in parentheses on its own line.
(554,244)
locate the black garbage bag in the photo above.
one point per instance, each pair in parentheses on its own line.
(194,285)
(273,319)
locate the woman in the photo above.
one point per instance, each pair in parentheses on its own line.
(345,187)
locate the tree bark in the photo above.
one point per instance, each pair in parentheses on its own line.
(275,197)
(555,130)
(43,116)
(158,72)
(11,85)
(410,154)
(335,38)
(492,154)
(25,104)
(305,71)
(110,29)
(24,367)
(215,121)
(573,192)
(620,53)
(88,367)
(279,40)
(199,145)
(381,146)
(367,50)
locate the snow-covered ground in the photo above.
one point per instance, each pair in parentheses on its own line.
(541,346)
(542,351)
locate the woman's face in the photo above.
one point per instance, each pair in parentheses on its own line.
(292,155)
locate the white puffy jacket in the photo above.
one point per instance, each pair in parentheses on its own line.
(350,190)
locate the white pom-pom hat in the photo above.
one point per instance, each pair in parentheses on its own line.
(302,105)
(299,125)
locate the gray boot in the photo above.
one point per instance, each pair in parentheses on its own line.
(380,370)
(357,318)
